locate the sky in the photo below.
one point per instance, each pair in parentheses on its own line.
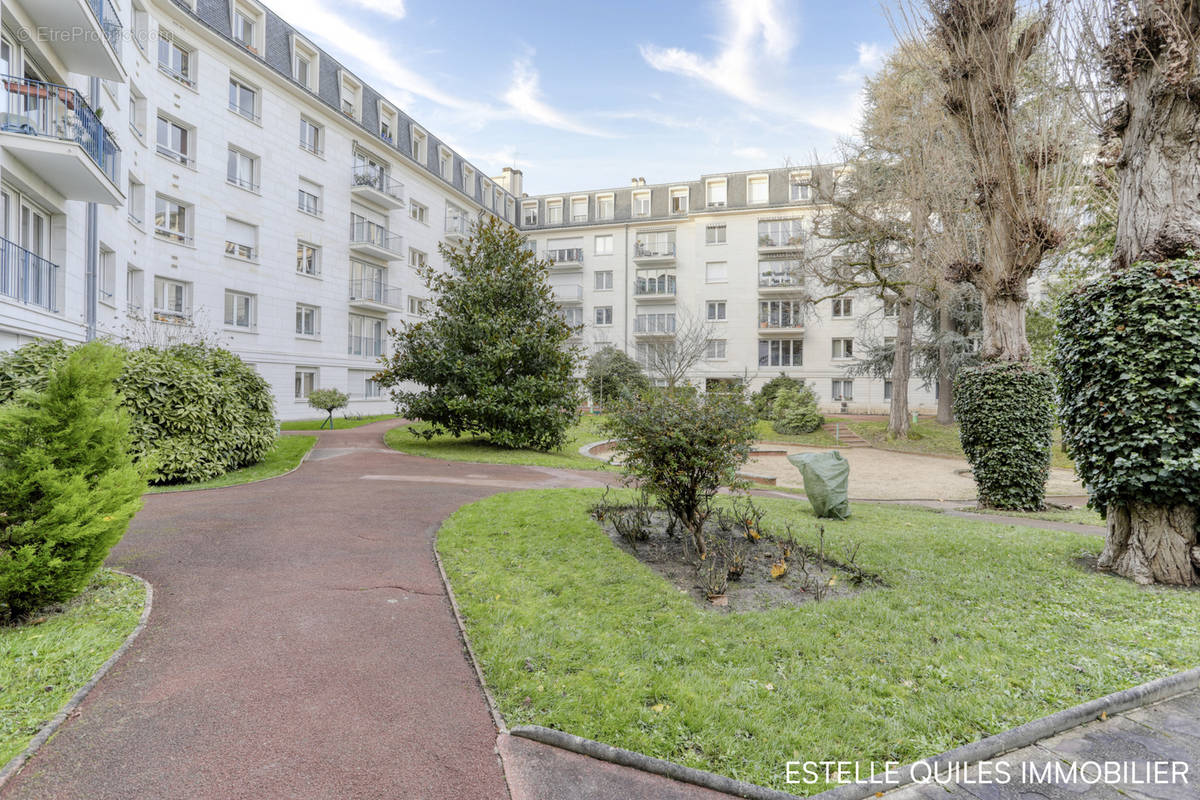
(586,94)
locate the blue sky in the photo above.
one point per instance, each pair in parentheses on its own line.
(589,94)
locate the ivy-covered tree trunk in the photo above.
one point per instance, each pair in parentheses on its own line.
(945,381)
(898,419)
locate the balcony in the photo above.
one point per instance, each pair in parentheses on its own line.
(366,346)
(375,186)
(371,239)
(780,282)
(52,130)
(654,287)
(374,296)
(27,277)
(458,224)
(654,249)
(85,34)
(780,236)
(569,258)
(654,325)
(568,293)
(780,328)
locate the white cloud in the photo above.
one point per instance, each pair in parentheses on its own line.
(388,8)
(524,97)
(750,153)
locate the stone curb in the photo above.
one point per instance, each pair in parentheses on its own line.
(19,760)
(587,449)
(1030,732)
(299,464)
(656,766)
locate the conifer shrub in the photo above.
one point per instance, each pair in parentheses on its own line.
(794,411)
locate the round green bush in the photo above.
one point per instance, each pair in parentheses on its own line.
(1127,355)
(764,397)
(196,411)
(794,411)
(1005,413)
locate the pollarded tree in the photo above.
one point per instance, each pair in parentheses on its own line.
(328,400)
(493,358)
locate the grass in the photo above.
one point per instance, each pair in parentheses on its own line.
(44,661)
(933,438)
(339,423)
(1081,516)
(477,449)
(283,457)
(981,627)
(765,431)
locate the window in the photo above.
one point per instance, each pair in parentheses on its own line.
(371,387)
(418,306)
(579,209)
(309,197)
(387,122)
(843,348)
(308,320)
(714,234)
(244,29)
(604,206)
(604,245)
(172,300)
(304,63)
(843,307)
(572,315)
(679,201)
(715,311)
(243,99)
(107,279)
(781,272)
(175,60)
(780,314)
(140,25)
(604,315)
(136,204)
(134,291)
(485,194)
(419,145)
(529,213)
(241,239)
(780,233)
(417,258)
(715,193)
(756,190)
(175,141)
(418,211)
(891,307)
(510,206)
(351,97)
(604,280)
(654,281)
(781,352)
(715,350)
(716,272)
(366,336)
(641,204)
(137,113)
(468,176)
(306,381)
(239,310)
(242,170)
(554,212)
(308,259)
(172,220)
(659,322)
(843,389)
(887,390)
(310,136)
(301,67)
(445,164)
(799,188)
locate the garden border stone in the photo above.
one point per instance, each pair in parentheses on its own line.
(15,763)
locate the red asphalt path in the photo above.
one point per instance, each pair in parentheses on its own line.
(301,643)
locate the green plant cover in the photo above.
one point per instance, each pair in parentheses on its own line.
(826,482)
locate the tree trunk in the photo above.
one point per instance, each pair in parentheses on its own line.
(898,421)
(1004,329)
(945,381)
(1152,544)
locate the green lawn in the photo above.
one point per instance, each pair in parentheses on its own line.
(981,627)
(1081,516)
(339,423)
(765,431)
(283,457)
(935,439)
(46,660)
(471,448)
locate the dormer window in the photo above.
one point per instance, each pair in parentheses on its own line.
(679,201)
(468,179)
(756,189)
(641,204)
(445,164)
(247,26)
(243,30)
(420,144)
(529,213)
(485,194)
(304,64)
(351,97)
(715,193)
(387,122)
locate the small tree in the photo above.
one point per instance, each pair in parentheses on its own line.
(612,375)
(328,400)
(671,360)
(68,485)
(795,411)
(683,447)
(764,397)
(493,358)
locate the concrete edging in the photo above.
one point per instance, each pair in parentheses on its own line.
(20,759)
(645,763)
(299,464)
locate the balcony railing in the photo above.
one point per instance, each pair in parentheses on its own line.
(567,255)
(458,223)
(780,279)
(654,248)
(375,178)
(36,108)
(366,232)
(365,346)
(110,23)
(375,292)
(27,277)
(664,286)
(571,292)
(654,323)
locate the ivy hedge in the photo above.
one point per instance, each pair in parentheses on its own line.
(1005,414)
(1127,356)
(196,412)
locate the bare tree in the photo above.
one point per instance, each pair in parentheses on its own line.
(671,356)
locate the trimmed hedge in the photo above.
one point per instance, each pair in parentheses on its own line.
(196,412)
(1005,414)
(68,485)
(1127,355)
(795,411)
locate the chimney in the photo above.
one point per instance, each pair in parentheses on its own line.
(633,181)
(510,180)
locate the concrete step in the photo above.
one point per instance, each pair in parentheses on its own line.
(846,437)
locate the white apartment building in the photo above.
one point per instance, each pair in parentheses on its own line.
(199,165)
(636,263)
